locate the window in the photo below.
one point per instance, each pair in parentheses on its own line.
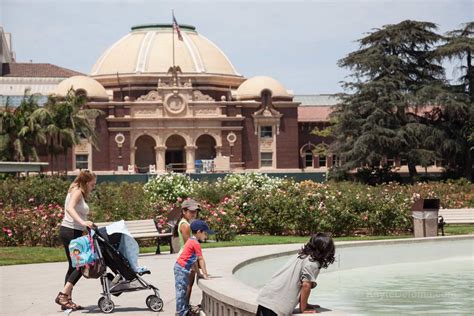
(403,162)
(322,161)
(390,161)
(82,162)
(336,162)
(266,159)
(266,131)
(308,159)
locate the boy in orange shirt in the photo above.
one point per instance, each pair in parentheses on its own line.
(191,253)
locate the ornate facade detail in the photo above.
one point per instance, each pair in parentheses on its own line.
(175,103)
(199,96)
(145,112)
(206,111)
(150,96)
(266,144)
(174,70)
(267,115)
(83,147)
(231,138)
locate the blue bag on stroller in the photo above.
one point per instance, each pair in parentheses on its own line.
(82,251)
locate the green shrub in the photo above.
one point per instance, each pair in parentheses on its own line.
(112,201)
(276,211)
(25,192)
(210,192)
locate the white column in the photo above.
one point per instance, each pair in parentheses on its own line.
(190,159)
(160,159)
(132,155)
(218,150)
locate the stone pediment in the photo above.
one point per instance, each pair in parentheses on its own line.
(199,96)
(150,96)
(267,114)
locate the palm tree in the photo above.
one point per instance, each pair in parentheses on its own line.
(66,122)
(20,133)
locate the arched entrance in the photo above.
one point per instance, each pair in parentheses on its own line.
(145,153)
(175,157)
(206,147)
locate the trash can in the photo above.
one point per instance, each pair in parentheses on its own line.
(425,217)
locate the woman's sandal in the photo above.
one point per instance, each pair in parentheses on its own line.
(66,303)
(71,305)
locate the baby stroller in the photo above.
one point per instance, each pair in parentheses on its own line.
(122,277)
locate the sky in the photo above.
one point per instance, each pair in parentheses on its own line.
(296,42)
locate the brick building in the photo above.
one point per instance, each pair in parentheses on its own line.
(160,118)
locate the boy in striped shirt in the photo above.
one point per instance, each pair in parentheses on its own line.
(191,254)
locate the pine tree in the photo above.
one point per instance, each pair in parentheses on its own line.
(455,122)
(382,116)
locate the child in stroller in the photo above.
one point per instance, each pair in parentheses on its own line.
(119,251)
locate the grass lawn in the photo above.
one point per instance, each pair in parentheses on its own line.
(24,255)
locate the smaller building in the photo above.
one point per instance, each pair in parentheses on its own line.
(16,78)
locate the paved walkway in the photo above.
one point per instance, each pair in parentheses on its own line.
(30,289)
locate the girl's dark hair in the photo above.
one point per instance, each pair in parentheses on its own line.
(320,248)
(175,228)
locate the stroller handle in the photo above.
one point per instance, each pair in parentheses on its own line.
(95,228)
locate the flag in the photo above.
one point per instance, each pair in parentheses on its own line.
(176,27)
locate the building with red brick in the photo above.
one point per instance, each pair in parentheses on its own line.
(159,117)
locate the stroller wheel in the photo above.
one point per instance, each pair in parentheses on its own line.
(106,305)
(154,303)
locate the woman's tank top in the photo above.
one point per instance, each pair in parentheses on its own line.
(180,235)
(82,210)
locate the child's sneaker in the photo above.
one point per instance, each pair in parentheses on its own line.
(195,310)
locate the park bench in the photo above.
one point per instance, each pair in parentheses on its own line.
(145,229)
(455,216)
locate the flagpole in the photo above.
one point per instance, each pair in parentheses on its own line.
(172,34)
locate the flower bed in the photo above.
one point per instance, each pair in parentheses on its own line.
(237,203)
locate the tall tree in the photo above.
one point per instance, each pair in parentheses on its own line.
(381,115)
(455,121)
(66,122)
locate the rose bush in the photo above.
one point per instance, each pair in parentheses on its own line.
(224,218)
(31,226)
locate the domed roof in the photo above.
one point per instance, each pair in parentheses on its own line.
(149,49)
(93,89)
(252,88)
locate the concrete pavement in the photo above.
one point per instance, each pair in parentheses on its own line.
(31,289)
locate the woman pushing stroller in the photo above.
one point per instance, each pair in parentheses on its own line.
(74,222)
